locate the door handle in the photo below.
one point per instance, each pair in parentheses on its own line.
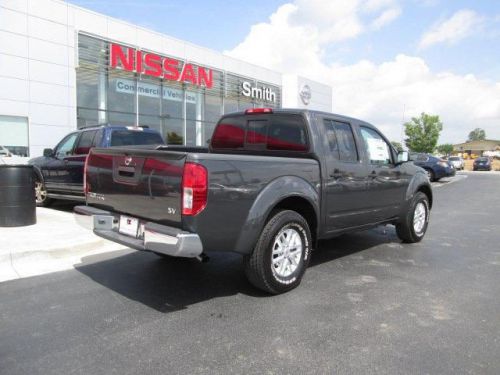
(373,174)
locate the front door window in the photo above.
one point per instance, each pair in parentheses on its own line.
(65,148)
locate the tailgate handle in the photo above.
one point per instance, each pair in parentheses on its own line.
(127,172)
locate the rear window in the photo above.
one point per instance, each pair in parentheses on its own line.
(261,132)
(454,158)
(134,137)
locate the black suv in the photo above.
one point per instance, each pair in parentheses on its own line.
(59,172)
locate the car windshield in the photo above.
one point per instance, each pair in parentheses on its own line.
(482,159)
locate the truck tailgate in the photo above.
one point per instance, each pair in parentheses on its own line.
(140,183)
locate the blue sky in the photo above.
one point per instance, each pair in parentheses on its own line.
(383,58)
(221,25)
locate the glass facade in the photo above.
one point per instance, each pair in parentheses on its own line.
(182,112)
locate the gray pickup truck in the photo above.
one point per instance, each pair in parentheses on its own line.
(269,186)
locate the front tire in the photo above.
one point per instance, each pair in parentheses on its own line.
(42,199)
(413,225)
(281,255)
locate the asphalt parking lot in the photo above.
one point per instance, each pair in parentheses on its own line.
(367,304)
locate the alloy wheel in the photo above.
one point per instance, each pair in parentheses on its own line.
(40,192)
(419,218)
(287,252)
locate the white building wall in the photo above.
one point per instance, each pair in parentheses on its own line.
(38,57)
(37,69)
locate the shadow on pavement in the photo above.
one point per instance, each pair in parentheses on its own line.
(63,205)
(173,284)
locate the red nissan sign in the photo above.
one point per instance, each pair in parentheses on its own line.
(154,65)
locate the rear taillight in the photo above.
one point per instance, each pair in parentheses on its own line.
(86,184)
(194,189)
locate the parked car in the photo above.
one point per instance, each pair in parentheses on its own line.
(436,168)
(269,186)
(59,172)
(456,162)
(482,164)
(4,152)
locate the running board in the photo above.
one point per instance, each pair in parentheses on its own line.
(66,197)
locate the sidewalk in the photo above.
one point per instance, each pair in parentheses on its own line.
(56,242)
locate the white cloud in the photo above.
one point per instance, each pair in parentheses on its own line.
(385,18)
(459,26)
(380,93)
(292,43)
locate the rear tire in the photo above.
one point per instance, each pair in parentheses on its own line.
(281,255)
(413,225)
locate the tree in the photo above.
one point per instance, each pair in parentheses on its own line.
(445,149)
(423,132)
(174,139)
(398,146)
(477,134)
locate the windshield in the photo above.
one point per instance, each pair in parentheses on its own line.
(134,137)
(454,158)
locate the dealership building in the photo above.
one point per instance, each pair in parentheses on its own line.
(63,67)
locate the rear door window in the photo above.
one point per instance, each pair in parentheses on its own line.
(85,142)
(98,138)
(341,140)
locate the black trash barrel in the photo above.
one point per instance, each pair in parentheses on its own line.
(17,196)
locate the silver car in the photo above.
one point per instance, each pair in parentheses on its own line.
(456,162)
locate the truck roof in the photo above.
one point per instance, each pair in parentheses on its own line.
(306,112)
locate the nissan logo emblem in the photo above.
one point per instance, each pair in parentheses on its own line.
(128,160)
(305,94)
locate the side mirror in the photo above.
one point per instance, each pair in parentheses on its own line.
(48,152)
(403,156)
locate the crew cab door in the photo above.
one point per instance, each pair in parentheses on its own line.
(76,161)
(386,182)
(345,181)
(55,171)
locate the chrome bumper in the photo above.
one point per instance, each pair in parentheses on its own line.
(156,238)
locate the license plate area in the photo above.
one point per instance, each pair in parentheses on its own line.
(129,226)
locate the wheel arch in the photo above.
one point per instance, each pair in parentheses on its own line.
(38,173)
(427,191)
(287,192)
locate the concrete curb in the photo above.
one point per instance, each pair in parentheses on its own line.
(38,262)
(56,242)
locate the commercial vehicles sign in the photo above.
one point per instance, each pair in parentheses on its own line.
(126,86)
(154,65)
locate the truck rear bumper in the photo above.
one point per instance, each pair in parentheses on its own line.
(156,238)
